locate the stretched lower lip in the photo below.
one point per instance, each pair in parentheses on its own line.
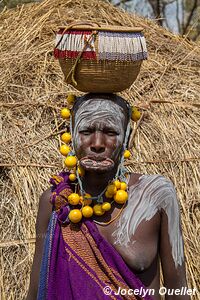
(96,163)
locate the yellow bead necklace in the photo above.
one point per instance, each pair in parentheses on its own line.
(116,190)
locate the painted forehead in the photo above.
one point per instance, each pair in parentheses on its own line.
(95,110)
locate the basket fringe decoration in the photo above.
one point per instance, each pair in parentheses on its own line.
(72,43)
(121,46)
(100,60)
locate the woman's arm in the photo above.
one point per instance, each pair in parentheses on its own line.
(43,217)
(173,273)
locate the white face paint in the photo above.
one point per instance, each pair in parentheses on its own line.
(151,194)
(97,113)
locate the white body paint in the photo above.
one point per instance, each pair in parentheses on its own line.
(151,194)
(93,112)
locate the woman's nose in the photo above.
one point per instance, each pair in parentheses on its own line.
(98,145)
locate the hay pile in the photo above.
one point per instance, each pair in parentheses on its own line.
(31,94)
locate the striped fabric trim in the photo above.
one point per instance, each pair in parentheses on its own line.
(44,270)
(121,34)
(88,32)
(123,57)
(74,54)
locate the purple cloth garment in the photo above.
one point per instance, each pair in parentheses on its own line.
(78,263)
(71,278)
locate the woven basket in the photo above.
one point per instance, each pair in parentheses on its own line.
(100,59)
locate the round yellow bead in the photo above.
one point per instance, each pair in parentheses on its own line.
(75,215)
(70,162)
(127,154)
(98,211)
(106,206)
(123,186)
(117,183)
(73,199)
(65,113)
(71,98)
(135,116)
(87,211)
(121,197)
(72,177)
(108,195)
(66,137)
(81,171)
(64,150)
(111,189)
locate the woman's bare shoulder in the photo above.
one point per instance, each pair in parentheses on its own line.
(44,210)
(45,197)
(161,189)
(134,178)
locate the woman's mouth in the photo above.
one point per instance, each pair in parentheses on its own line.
(96,163)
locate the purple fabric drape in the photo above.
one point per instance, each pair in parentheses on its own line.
(78,263)
(70,277)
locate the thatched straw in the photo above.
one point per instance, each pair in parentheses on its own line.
(32,93)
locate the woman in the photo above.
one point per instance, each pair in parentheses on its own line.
(116,252)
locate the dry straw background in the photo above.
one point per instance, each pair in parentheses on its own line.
(31,94)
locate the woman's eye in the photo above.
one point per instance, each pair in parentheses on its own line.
(111,133)
(85,132)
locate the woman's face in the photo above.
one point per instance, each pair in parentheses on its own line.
(98,135)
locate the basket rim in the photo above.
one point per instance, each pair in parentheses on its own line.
(103,27)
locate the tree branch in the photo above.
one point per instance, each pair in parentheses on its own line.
(121,2)
(177,17)
(190,16)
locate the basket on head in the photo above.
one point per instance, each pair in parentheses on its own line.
(100,59)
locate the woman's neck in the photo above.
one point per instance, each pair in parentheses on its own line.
(95,183)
